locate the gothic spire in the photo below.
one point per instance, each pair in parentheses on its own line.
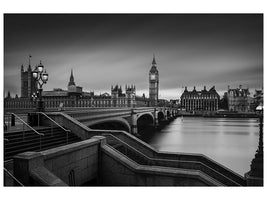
(71,79)
(154,61)
(29,67)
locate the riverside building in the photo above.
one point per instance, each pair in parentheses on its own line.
(203,100)
(238,99)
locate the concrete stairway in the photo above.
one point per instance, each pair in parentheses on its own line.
(14,142)
(187,164)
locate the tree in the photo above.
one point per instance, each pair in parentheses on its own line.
(223,103)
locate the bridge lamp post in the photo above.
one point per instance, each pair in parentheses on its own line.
(41,77)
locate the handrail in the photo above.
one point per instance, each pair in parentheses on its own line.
(66,130)
(41,134)
(118,139)
(200,156)
(13,177)
(184,171)
(155,160)
(54,121)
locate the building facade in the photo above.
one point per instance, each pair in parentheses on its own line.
(204,100)
(238,99)
(74,96)
(153,84)
(119,99)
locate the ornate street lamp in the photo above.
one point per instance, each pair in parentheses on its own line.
(41,77)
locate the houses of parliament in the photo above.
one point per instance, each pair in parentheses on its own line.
(74,96)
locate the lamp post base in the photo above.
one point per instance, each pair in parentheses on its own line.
(40,106)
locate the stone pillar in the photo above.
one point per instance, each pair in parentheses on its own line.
(165,114)
(24,163)
(103,142)
(134,130)
(156,120)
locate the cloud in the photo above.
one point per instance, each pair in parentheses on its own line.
(105,50)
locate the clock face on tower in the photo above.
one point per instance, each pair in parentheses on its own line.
(153,76)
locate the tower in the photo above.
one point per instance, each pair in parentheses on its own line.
(116,93)
(28,84)
(24,82)
(130,95)
(29,80)
(153,84)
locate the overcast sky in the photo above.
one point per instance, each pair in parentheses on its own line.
(104,50)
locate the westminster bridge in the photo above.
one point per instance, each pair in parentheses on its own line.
(116,157)
(127,119)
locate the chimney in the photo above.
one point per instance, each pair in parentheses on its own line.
(240,87)
(205,88)
(228,87)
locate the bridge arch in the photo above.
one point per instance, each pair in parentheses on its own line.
(145,119)
(146,113)
(161,116)
(111,124)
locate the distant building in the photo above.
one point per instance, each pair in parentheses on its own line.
(28,85)
(203,100)
(119,99)
(74,96)
(238,99)
(66,98)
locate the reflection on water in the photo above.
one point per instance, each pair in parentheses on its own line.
(231,142)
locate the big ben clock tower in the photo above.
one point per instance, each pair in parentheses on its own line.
(153,84)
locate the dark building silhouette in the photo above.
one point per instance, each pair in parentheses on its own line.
(28,85)
(204,100)
(153,84)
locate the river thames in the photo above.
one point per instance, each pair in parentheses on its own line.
(231,142)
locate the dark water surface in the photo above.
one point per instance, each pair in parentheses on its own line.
(231,142)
